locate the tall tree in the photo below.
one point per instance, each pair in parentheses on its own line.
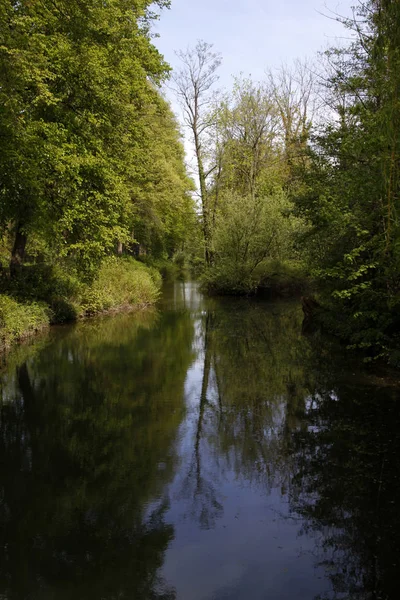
(164,210)
(247,121)
(352,191)
(192,84)
(293,93)
(74,81)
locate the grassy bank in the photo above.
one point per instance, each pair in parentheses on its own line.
(41,295)
(19,321)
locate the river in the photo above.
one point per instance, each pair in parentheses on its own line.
(205,450)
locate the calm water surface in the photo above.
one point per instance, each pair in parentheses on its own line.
(204,451)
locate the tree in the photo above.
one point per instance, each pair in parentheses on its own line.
(352,187)
(75,81)
(250,212)
(247,130)
(293,93)
(192,84)
(164,210)
(249,231)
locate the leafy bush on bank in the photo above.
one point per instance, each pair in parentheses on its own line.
(18,321)
(169,268)
(253,242)
(285,278)
(40,295)
(121,282)
(282,278)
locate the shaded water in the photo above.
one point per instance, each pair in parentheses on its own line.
(203,451)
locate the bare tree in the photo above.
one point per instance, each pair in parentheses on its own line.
(192,84)
(248,123)
(293,91)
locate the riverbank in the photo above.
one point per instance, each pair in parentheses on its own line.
(272,278)
(40,296)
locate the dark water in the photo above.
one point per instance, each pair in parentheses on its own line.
(204,451)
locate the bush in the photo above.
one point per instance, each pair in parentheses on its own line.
(179,259)
(121,282)
(18,321)
(249,233)
(228,278)
(196,265)
(283,278)
(168,268)
(49,284)
(41,294)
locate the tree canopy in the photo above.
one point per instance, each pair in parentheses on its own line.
(90,150)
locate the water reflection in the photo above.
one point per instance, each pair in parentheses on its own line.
(87,442)
(205,451)
(346,487)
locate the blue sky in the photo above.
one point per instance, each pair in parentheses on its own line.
(251,34)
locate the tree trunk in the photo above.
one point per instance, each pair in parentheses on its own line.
(18,251)
(204,199)
(120,248)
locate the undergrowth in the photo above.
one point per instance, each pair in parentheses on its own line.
(282,278)
(40,295)
(18,321)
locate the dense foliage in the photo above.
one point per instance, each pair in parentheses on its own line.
(92,162)
(303,168)
(91,153)
(41,295)
(350,192)
(247,144)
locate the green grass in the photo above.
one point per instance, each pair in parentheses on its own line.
(19,321)
(121,282)
(41,295)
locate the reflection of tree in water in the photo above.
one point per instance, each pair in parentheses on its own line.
(252,384)
(346,486)
(275,410)
(258,354)
(199,485)
(88,444)
(87,436)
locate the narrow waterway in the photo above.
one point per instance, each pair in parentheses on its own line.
(205,450)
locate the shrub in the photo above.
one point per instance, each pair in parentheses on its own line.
(228,278)
(41,294)
(18,321)
(249,232)
(120,282)
(285,277)
(168,269)
(50,284)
